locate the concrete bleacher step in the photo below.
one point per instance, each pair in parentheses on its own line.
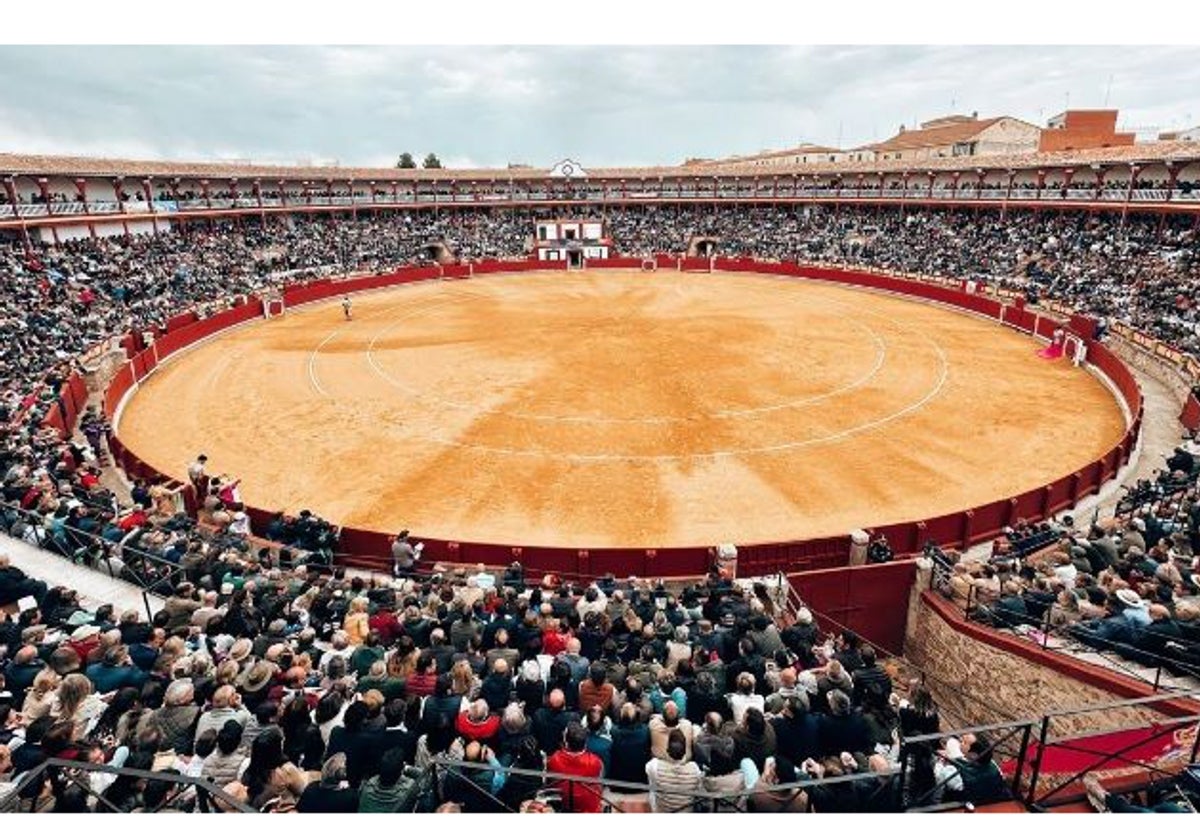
(1166,680)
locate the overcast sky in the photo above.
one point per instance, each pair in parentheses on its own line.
(603,106)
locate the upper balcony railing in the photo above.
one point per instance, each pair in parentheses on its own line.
(1117,195)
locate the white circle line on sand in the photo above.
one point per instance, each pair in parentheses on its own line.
(880,358)
(724,453)
(615,457)
(314,380)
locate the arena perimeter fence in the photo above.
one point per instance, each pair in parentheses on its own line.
(369,549)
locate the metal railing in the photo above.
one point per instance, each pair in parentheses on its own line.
(613,793)
(99,554)
(1041,632)
(62,775)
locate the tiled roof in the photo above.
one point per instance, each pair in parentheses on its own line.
(942,135)
(22,164)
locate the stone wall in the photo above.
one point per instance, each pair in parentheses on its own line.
(975,682)
(1144,361)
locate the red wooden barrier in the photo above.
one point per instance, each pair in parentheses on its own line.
(870,600)
(956,529)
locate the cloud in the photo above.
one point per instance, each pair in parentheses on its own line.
(601,105)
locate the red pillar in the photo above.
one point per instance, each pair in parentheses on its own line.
(81,187)
(1134,169)
(119,192)
(44,189)
(10,187)
(1172,177)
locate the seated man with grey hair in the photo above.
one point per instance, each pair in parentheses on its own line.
(331,795)
(177,718)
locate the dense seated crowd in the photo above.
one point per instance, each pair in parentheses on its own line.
(56,301)
(296,689)
(675,711)
(1129,584)
(1143,270)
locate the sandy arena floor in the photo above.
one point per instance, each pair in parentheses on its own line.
(623,409)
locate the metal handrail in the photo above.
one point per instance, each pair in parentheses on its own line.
(600,783)
(47,771)
(173,577)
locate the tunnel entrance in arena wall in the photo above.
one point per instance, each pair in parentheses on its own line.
(575,258)
(703,246)
(438,252)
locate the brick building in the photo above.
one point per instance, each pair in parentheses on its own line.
(1083,129)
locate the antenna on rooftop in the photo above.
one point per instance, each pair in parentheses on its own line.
(1108,89)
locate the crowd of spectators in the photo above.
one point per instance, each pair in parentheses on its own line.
(1127,584)
(695,693)
(1140,270)
(58,300)
(316,691)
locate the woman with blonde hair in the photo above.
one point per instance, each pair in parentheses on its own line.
(463,681)
(74,701)
(357,622)
(40,696)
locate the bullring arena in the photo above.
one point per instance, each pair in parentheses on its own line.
(624,409)
(876,493)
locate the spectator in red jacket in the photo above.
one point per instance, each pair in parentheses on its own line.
(136,518)
(476,723)
(554,641)
(575,760)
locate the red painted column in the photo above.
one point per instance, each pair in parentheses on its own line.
(10,187)
(1134,169)
(44,189)
(180,218)
(119,193)
(81,188)
(204,191)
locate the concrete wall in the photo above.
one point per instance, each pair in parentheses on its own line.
(1008,136)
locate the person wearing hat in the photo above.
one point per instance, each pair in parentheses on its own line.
(255,681)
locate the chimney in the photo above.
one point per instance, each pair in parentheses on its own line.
(974,115)
(901,128)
